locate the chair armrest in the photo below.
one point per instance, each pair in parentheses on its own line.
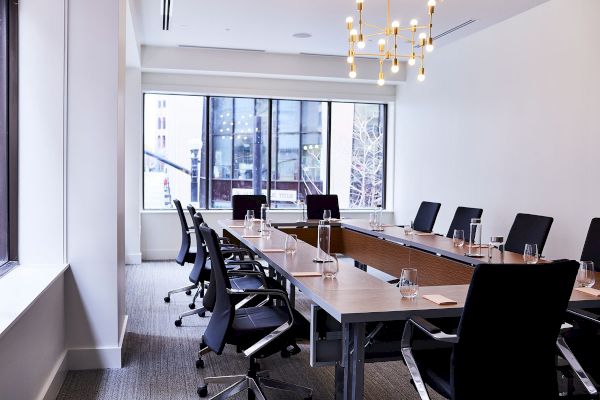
(278,331)
(224,240)
(239,272)
(584,314)
(429,329)
(258,266)
(566,352)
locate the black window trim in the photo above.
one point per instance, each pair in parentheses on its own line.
(207,139)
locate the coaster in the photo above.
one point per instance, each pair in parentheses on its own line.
(307,273)
(439,299)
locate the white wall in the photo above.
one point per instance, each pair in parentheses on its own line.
(95,195)
(133,165)
(507,120)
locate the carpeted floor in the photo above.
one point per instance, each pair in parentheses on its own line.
(159,357)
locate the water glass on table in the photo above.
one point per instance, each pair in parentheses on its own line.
(530,254)
(458,238)
(409,284)
(291,244)
(408,229)
(327,215)
(267,228)
(586,276)
(331,267)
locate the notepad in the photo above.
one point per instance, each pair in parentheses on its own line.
(251,236)
(236,226)
(424,233)
(439,299)
(272,250)
(307,273)
(589,290)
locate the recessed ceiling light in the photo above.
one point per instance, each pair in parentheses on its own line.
(227,29)
(302,35)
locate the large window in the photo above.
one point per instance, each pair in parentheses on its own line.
(203,150)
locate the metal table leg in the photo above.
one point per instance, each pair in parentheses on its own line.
(292,295)
(353,363)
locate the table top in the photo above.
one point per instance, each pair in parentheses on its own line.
(354,295)
(433,243)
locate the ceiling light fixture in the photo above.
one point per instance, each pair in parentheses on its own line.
(387,45)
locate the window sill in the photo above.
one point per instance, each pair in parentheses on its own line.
(21,287)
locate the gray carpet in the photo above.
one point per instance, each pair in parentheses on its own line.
(159,357)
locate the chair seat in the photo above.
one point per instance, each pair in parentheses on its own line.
(434,366)
(245,282)
(254,323)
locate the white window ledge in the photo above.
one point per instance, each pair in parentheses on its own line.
(21,287)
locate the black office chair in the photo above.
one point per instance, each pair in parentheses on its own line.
(528,228)
(462,220)
(184,255)
(426,216)
(584,338)
(200,273)
(262,330)
(240,203)
(506,343)
(317,203)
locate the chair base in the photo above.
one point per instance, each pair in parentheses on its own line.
(254,382)
(186,289)
(201,312)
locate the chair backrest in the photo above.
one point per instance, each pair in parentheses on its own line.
(199,272)
(317,203)
(591,248)
(223,311)
(184,248)
(509,326)
(462,220)
(191,211)
(426,216)
(244,202)
(528,228)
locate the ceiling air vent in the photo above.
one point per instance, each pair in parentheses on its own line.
(191,46)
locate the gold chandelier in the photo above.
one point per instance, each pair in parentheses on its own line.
(390,36)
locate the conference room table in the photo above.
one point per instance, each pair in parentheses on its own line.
(356,298)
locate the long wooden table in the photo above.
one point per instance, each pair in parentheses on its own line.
(356,298)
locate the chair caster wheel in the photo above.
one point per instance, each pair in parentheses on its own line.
(178,322)
(167,299)
(202,315)
(202,391)
(200,363)
(192,306)
(188,292)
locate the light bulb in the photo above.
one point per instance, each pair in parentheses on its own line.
(395,66)
(431,3)
(412,61)
(414,22)
(420,77)
(422,35)
(396,24)
(361,45)
(381,42)
(350,59)
(380,82)
(353,32)
(429,48)
(352,74)
(359,1)
(349,20)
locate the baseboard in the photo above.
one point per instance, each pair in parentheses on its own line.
(133,258)
(159,254)
(98,358)
(55,379)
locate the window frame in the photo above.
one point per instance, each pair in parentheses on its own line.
(326,133)
(9,60)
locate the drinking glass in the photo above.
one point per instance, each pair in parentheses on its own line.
(372,219)
(300,204)
(247,222)
(409,285)
(327,215)
(586,275)
(250,214)
(331,267)
(458,238)
(530,255)
(408,229)
(267,228)
(291,243)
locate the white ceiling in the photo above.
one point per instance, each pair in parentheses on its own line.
(269,24)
